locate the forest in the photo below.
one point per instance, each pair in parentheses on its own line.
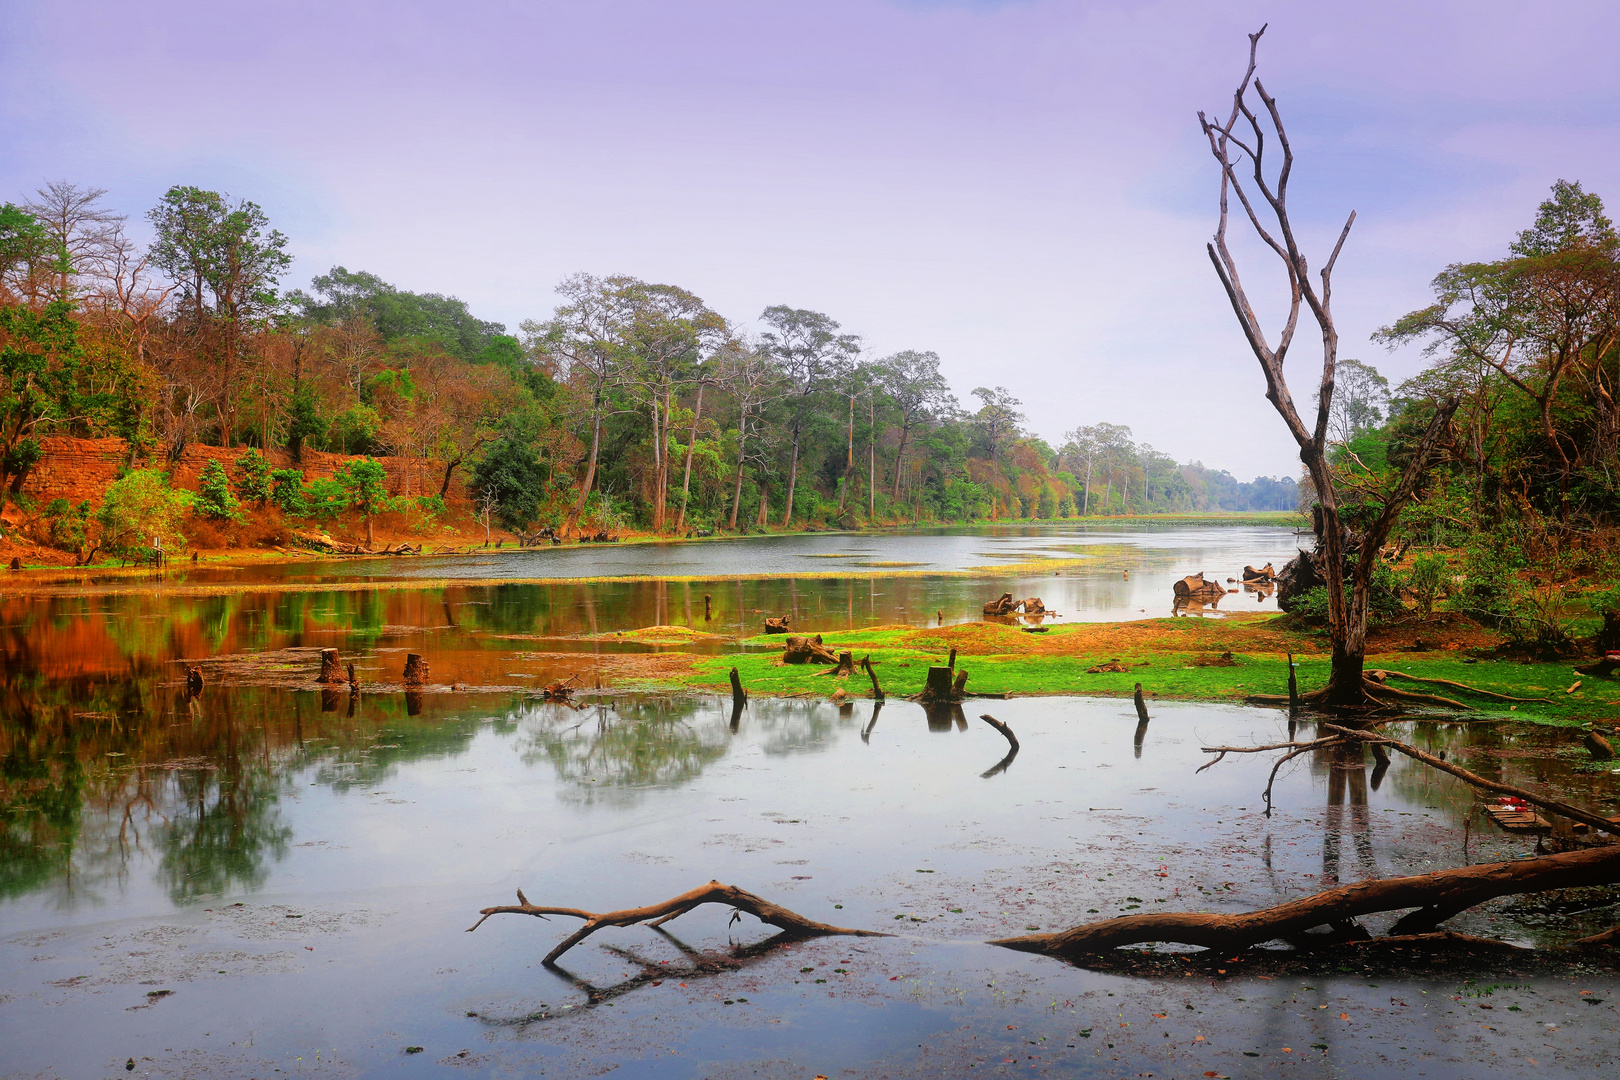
(631,406)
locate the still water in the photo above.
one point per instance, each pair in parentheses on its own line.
(254,882)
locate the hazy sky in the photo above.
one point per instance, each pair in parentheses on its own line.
(1019,186)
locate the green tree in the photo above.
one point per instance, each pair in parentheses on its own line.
(40,364)
(288,494)
(214,496)
(512,474)
(141,512)
(304,422)
(227,262)
(252,477)
(810,352)
(365,482)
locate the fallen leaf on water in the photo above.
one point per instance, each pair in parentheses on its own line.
(1346,1016)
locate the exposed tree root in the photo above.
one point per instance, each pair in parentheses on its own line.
(1465,687)
(1446,889)
(658,914)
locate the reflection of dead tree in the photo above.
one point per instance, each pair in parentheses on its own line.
(657,914)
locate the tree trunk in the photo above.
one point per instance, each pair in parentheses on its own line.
(691,444)
(736,496)
(900,456)
(793,475)
(590,469)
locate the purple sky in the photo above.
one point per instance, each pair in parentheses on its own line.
(1018,186)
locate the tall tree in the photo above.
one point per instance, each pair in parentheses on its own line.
(811,353)
(669,331)
(1230,145)
(998,417)
(919,393)
(587,341)
(227,262)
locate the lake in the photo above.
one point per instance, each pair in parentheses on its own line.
(250,883)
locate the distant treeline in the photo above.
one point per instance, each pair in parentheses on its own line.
(632,404)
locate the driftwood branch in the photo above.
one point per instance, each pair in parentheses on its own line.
(1563,809)
(1446,889)
(658,914)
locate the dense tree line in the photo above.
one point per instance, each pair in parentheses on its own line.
(1515,522)
(633,404)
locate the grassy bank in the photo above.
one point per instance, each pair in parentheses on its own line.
(1175,659)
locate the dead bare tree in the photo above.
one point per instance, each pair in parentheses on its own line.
(1231,146)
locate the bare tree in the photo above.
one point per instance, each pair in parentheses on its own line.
(1231,145)
(87,234)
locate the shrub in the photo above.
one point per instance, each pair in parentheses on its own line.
(214,498)
(141,512)
(1427,581)
(431,505)
(288,494)
(65,526)
(252,477)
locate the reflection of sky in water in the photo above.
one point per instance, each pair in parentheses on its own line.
(385,833)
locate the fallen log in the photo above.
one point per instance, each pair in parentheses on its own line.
(1452,890)
(1034,606)
(1265,573)
(805,650)
(777,626)
(658,914)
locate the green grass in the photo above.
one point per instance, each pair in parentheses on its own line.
(1169,675)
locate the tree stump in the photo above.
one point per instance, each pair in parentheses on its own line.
(959,687)
(16,564)
(1004,606)
(1141,706)
(194,681)
(738,694)
(706,611)
(777,626)
(937,687)
(1598,747)
(354,683)
(416,669)
(1034,606)
(331,669)
(846,665)
(804,650)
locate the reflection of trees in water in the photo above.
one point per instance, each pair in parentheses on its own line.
(100,776)
(226,826)
(609,752)
(789,726)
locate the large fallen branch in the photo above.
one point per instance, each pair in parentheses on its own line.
(658,914)
(1442,890)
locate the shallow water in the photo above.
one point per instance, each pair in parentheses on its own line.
(301,882)
(262,881)
(1099,572)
